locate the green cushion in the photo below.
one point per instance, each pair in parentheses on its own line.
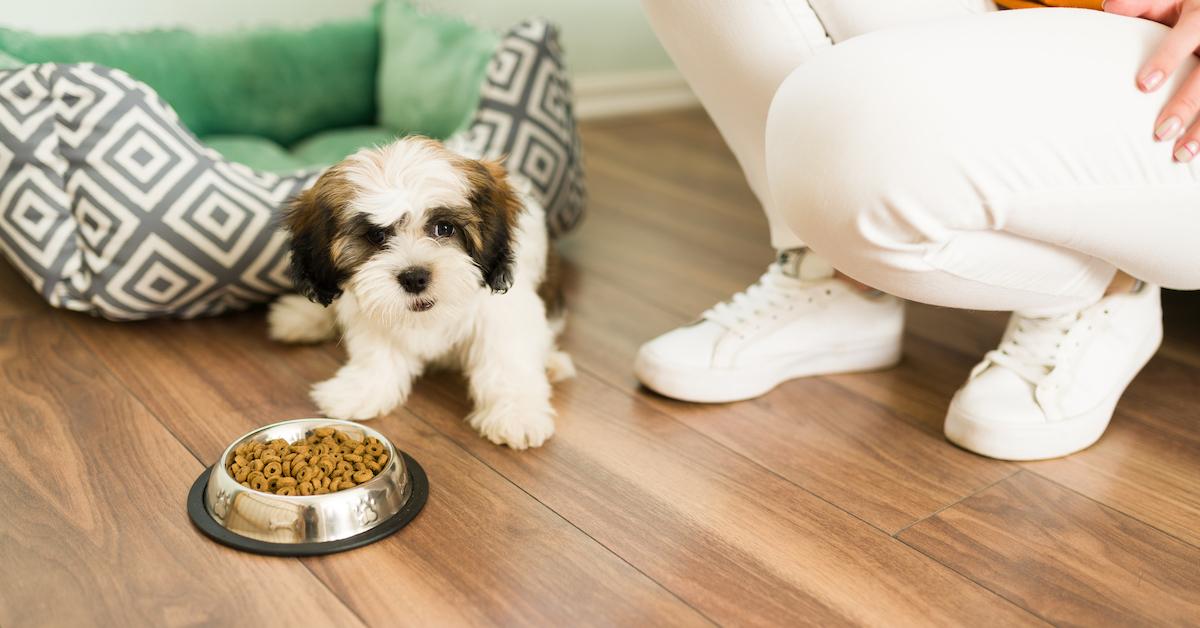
(9,62)
(329,147)
(257,152)
(431,68)
(318,151)
(279,84)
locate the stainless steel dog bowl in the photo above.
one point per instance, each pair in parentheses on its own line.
(287,525)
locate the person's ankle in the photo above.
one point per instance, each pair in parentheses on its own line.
(1123,283)
(802,263)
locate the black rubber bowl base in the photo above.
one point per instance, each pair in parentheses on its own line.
(213,530)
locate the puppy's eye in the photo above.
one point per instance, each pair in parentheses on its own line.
(443,230)
(377,235)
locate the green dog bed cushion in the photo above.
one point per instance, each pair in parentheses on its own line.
(110,204)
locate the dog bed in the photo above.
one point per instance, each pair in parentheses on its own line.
(110,203)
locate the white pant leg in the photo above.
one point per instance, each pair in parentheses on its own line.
(736,53)
(1001,161)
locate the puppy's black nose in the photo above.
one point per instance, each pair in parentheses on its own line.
(414,280)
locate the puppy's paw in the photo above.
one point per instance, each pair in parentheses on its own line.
(559,366)
(518,425)
(293,318)
(354,398)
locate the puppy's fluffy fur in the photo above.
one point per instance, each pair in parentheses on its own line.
(427,257)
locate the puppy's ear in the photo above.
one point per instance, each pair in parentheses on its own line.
(498,207)
(312,225)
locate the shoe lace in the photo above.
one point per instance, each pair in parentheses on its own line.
(1033,347)
(773,293)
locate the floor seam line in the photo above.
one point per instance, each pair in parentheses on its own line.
(599,377)
(70,327)
(735,452)
(1111,507)
(958,501)
(979,584)
(563,518)
(454,442)
(121,382)
(325,585)
(893,537)
(906,418)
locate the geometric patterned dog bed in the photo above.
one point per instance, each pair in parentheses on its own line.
(109,205)
(526,117)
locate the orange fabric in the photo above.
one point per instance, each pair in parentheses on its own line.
(1032,4)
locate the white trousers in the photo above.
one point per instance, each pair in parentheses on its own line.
(975,159)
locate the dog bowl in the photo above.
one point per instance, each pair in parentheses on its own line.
(295,525)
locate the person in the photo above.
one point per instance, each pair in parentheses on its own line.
(1035,161)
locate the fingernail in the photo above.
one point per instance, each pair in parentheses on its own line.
(1187,151)
(1169,129)
(1151,80)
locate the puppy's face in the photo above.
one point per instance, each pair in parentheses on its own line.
(410,229)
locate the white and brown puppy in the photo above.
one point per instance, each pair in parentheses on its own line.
(427,257)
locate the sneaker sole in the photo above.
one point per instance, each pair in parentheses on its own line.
(1044,440)
(706,385)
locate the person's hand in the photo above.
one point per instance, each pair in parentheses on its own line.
(1178,120)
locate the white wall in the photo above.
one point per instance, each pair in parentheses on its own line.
(74,16)
(617,62)
(618,65)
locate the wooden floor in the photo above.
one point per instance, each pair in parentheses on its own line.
(832,500)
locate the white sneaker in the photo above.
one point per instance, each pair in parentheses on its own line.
(1050,388)
(780,328)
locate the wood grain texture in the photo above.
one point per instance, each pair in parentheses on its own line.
(1147,464)
(93,528)
(641,510)
(17,297)
(858,455)
(733,539)
(680,156)
(482,551)
(1064,557)
(920,387)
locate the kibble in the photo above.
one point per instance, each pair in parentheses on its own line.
(327,461)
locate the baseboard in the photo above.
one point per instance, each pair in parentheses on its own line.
(621,93)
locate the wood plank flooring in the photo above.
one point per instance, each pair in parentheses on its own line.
(831,500)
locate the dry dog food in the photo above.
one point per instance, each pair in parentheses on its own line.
(326,462)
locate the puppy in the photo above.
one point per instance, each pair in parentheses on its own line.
(427,257)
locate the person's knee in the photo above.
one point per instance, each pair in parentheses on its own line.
(845,172)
